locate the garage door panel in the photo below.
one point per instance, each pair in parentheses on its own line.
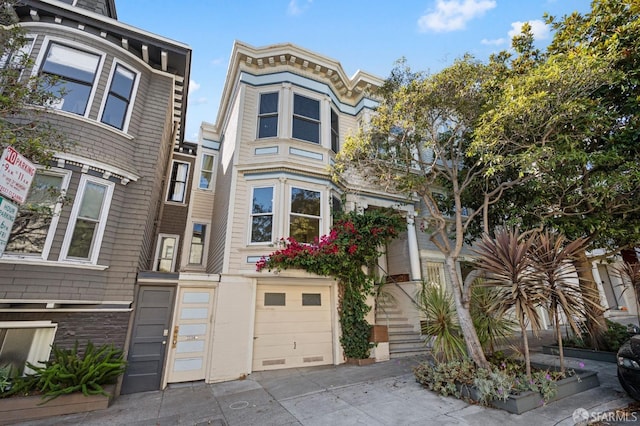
(293,334)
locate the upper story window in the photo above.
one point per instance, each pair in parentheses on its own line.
(178,182)
(268,115)
(76,70)
(262,215)
(196,251)
(306,118)
(88,220)
(206,172)
(17,59)
(305,216)
(335,133)
(166,253)
(119,97)
(35,224)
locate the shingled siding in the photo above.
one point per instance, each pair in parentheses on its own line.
(98,327)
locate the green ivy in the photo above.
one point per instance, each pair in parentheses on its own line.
(353,243)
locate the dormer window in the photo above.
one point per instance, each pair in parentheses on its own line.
(306,119)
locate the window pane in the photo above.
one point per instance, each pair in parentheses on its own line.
(335,135)
(261,229)
(306,107)
(82,239)
(75,97)
(31,226)
(304,229)
(205,180)
(305,201)
(268,103)
(274,299)
(71,63)
(306,130)
(115,111)
(268,127)
(207,162)
(311,299)
(262,200)
(92,201)
(197,243)
(178,184)
(122,82)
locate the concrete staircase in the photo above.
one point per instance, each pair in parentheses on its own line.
(403,339)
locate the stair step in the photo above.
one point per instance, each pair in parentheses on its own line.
(408,352)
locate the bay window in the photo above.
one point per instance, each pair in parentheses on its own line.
(262,215)
(119,96)
(306,119)
(305,215)
(268,115)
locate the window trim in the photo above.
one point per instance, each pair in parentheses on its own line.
(272,214)
(57,209)
(291,213)
(48,40)
(271,114)
(156,258)
(205,243)
(42,340)
(213,171)
(96,245)
(132,98)
(170,181)
(26,50)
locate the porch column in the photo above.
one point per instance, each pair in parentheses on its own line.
(414,253)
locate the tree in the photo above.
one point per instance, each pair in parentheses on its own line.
(417,144)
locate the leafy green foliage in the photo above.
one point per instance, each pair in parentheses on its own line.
(69,371)
(489,315)
(352,244)
(613,337)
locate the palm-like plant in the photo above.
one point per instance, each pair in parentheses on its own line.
(441,322)
(631,272)
(507,265)
(488,312)
(553,256)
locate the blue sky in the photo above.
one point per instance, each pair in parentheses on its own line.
(368,35)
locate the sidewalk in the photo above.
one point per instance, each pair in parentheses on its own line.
(384,393)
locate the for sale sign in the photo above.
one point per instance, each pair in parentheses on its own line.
(16,174)
(8,212)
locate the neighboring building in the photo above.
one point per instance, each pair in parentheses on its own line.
(75,276)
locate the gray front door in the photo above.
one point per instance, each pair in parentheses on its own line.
(149,339)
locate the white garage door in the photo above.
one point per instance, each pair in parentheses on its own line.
(293,327)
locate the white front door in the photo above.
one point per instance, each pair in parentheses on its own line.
(189,337)
(292,327)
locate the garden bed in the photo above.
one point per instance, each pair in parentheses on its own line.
(581,381)
(590,354)
(23,408)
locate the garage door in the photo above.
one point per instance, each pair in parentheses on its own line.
(293,327)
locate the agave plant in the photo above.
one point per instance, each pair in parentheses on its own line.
(441,322)
(553,256)
(506,263)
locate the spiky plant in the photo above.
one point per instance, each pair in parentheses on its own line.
(553,256)
(441,322)
(505,261)
(631,272)
(490,320)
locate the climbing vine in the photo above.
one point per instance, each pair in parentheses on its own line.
(353,243)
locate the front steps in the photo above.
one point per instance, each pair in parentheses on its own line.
(403,339)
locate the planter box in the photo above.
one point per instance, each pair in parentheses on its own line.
(22,408)
(591,354)
(526,401)
(360,362)
(379,333)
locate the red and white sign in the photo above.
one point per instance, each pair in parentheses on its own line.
(16,174)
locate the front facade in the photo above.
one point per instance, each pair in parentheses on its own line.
(72,276)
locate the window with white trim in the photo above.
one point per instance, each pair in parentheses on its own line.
(262,215)
(335,132)
(25,341)
(17,59)
(306,119)
(76,72)
(35,224)
(88,220)
(268,115)
(116,109)
(305,215)
(206,172)
(178,182)
(196,250)
(166,253)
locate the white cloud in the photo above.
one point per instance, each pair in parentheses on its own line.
(452,15)
(296,9)
(493,42)
(539,29)
(216,61)
(198,101)
(193,86)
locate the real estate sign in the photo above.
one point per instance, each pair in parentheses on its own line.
(8,212)
(16,174)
